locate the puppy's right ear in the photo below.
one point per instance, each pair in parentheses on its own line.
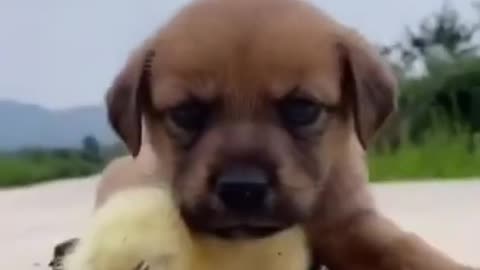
(369,82)
(126,97)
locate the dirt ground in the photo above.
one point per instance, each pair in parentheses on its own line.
(34,219)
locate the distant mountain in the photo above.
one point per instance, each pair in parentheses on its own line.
(26,125)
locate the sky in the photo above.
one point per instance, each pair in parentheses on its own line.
(61,54)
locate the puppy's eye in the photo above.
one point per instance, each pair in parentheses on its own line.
(299,112)
(191,116)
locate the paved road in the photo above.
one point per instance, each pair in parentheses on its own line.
(446,214)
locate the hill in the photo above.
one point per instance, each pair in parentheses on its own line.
(27,125)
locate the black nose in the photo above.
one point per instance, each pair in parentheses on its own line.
(243,188)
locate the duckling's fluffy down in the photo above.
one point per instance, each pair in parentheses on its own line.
(144,226)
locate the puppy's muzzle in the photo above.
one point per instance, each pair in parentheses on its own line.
(244,188)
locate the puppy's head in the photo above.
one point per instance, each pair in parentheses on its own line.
(248,105)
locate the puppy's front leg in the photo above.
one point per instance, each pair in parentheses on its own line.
(370,241)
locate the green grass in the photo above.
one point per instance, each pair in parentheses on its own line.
(440,156)
(25,170)
(36,165)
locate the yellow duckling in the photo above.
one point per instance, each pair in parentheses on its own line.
(141,229)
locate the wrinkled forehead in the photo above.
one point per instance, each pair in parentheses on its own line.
(230,58)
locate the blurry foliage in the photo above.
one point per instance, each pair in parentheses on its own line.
(435,131)
(443,156)
(443,28)
(439,38)
(35,165)
(454,94)
(91,149)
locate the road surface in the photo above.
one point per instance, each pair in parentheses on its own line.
(34,219)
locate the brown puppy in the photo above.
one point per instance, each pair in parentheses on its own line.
(260,112)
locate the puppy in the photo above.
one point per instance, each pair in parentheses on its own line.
(140,228)
(260,112)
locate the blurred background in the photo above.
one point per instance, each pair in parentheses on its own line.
(57,58)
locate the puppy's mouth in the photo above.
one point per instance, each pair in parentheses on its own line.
(233,228)
(228,225)
(247,231)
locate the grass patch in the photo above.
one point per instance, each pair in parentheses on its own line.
(439,156)
(32,168)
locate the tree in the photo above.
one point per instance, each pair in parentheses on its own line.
(440,38)
(91,148)
(444,28)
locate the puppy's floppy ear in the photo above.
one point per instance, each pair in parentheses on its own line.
(369,83)
(127,95)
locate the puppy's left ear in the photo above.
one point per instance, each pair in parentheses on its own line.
(369,83)
(126,97)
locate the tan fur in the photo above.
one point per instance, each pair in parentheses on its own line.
(246,55)
(126,172)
